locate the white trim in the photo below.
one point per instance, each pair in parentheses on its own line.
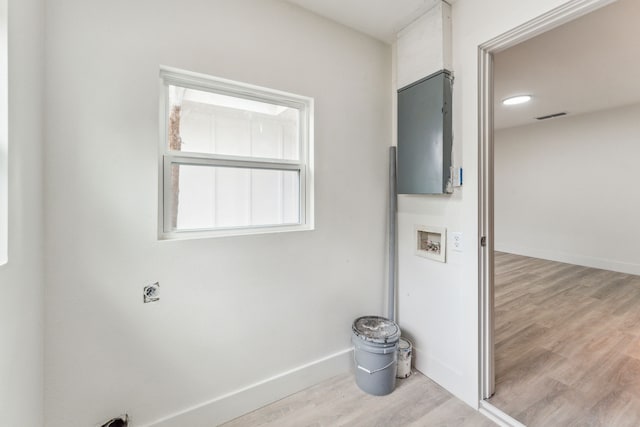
(226,232)
(552,19)
(189,79)
(183,156)
(239,402)
(486,381)
(231,163)
(440,372)
(163,113)
(497,416)
(576,259)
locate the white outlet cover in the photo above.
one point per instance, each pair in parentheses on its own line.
(455,240)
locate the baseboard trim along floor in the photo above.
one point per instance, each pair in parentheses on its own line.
(236,403)
(497,416)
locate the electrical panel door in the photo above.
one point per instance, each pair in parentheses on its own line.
(425,136)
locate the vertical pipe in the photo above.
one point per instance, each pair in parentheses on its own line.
(393,209)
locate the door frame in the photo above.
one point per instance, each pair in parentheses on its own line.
(548,21)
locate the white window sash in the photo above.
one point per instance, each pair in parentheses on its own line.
(211,161)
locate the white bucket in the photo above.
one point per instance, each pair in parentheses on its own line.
(404,358)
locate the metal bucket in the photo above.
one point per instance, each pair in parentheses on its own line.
(405,348)
(375,354)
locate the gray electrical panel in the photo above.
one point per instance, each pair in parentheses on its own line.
(425,136)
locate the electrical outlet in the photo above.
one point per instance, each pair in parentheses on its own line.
(151,293)
(455,241)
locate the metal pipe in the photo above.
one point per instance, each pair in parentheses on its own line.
(393,210)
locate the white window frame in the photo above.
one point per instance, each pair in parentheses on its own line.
(175,77)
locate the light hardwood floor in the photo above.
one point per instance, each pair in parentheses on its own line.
(416,402)
(567,344)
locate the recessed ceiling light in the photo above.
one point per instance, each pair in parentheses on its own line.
(515,100)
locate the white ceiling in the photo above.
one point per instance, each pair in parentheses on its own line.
(586,65)
(380,19)
(589,64)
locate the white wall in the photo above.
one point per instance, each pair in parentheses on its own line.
(233,311)
(424,46)
(4,133)
(565,189)
(21,348)
(438,303)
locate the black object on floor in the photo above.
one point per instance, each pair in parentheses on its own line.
(117,422)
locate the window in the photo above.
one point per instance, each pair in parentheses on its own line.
(234,158)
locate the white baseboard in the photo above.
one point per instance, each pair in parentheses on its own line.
(239,402)
(444,375)
(497,416)
(585,261)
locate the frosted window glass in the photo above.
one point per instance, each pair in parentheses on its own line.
(211,197)
(212,123)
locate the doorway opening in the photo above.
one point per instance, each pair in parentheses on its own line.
(561,188)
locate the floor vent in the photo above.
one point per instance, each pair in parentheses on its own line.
(551,116)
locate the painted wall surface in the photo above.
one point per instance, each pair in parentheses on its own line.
(233,311)
(564,189)
(21,288)
(424,46)
(438,303)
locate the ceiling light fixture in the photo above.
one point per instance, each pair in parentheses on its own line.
(515,100)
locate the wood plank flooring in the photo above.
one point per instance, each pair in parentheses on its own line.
(416,402)
(567,344)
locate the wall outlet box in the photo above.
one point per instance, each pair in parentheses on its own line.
(151,293)
(431,242)
(455,240)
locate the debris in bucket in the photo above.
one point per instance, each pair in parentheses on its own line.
(376,329)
